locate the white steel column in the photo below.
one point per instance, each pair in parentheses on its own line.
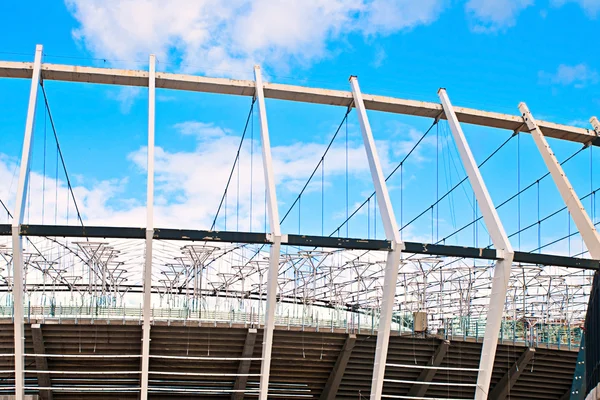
(275,238)
(391,233)
(580,217)
(501,243)
(17,242)
(149,229)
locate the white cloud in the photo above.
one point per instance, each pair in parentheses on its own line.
(200,129)
(228,37)
(126,97)
(591,7)
(189,183)
(385,17)
(579,76)
(405,138)
(494,15)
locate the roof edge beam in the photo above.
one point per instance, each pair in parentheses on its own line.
(165,80)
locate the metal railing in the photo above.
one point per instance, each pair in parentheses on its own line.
(319,318)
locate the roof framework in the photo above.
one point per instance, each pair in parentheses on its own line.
(333,279)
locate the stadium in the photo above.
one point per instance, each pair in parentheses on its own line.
(250,310)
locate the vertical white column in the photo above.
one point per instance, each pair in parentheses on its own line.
(149,230)
(501,243)
(17,242)
(580,217)
(275,228)
(391,233)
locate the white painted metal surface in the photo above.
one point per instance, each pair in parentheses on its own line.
(392,234)
(580,217)
(596,124)
(501,243)
(9,69)
(273,213)
(149,228)
(17,242)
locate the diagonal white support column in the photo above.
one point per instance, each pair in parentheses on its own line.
(501,243)
(391,233)
(273,212)
(596,124)
(580,217)
(149,230)
(17,242)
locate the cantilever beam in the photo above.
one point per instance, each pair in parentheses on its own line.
(165,80)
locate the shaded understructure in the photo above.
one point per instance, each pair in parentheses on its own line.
(303,362)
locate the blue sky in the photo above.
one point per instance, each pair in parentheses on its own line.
(488,54)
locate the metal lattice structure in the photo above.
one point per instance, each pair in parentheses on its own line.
(272,278)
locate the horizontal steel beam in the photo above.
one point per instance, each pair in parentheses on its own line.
(81,231)
(211,236)
(560,261)
(296,240)
(165,80)
(450,251)
(341,243)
